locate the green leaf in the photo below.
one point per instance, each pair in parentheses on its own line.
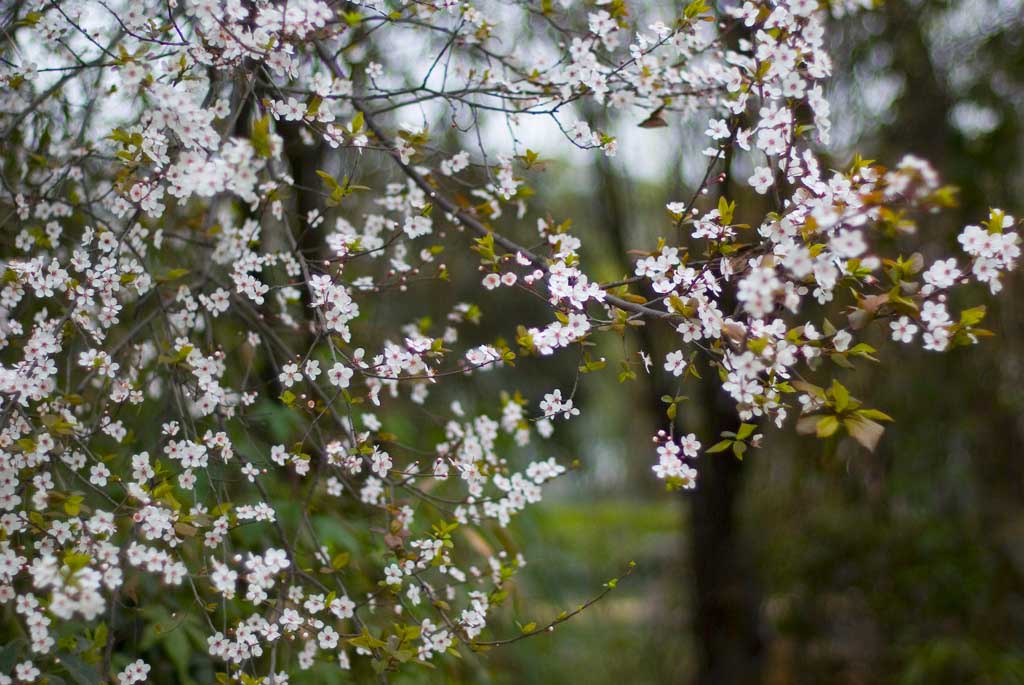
(313,106)
(725,210)
(172,275)
(9,655)
(81,672)
(73,505)
(76,560)
(972,316)
(99,636)
(719,447)
(329,180)
(809,388)
(826,426)
(695,8)
(260,137)
(840,395)
(366,641)
(874,414)
(863,350)
(221,509)
(840,360)
(745,431)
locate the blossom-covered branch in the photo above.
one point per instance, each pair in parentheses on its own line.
(245,242)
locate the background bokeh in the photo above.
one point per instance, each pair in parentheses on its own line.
(803,564)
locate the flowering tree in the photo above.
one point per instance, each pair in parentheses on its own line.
(235,232)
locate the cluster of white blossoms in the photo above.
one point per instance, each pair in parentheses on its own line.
(241,388)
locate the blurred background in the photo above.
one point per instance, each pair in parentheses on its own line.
(801,565)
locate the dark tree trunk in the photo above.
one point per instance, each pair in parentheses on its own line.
(725,592)
(727,624)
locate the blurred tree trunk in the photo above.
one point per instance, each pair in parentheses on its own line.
(725,594)
(304,160)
